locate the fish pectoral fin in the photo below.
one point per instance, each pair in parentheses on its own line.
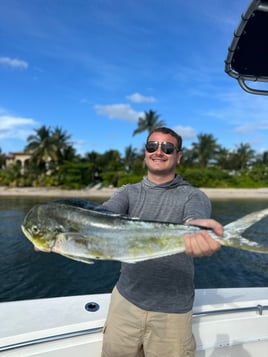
(71,237)
(72,245)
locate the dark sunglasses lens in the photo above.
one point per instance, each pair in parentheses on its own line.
(152,146)
(167,148)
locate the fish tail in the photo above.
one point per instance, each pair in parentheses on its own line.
(242,243)
(236,228)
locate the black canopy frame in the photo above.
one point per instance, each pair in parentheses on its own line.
(247,58)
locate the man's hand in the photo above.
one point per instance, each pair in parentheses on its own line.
(201,244)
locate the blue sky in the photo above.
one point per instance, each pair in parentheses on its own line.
(93,67)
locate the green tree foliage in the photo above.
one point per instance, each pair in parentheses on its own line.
(11,176)
(242,157)
(110,161)
(61,139)
(49,146)
(129,158)
(149,122)
(205,150)
(258,175)
(223,159)
(41,145)
(75,175)
(264,158)
(2,159)
(205,164)
(206,177)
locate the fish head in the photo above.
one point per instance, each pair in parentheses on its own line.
(41,228)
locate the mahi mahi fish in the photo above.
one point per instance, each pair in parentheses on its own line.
(81,230)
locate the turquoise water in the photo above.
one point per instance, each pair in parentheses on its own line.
(27,274)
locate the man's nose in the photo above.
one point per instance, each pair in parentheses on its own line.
(159,149)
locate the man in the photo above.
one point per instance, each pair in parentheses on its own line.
(151,306)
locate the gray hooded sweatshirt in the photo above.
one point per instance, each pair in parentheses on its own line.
(163,284)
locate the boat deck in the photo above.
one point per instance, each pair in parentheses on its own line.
(231,322)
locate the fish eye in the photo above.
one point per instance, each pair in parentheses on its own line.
(35,229)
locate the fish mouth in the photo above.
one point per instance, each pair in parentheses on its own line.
(39,243)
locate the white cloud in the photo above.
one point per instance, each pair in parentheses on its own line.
(139,98)
(15,127)
(13,62)
(249,127)
(186,132)
(118,111)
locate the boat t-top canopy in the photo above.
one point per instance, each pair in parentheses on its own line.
(247,58)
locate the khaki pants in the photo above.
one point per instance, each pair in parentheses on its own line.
(132,332)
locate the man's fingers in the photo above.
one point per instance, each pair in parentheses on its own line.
(200,244)
(208,223)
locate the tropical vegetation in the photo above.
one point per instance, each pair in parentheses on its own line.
(54,162)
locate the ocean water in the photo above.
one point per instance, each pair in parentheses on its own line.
(27,274)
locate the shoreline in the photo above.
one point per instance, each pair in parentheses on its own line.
(106,192)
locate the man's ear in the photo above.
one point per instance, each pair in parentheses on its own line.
(179,156)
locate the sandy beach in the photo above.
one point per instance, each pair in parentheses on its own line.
(106,192)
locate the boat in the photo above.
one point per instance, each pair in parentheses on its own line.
(229,322)
(226,322)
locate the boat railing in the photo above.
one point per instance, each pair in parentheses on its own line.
(51,338)
(258,308)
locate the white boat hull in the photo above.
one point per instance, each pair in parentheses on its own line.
(226,322)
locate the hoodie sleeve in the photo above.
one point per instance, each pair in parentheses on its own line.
(197,206)
(119,202)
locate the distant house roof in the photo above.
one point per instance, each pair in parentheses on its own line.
(18,156)
(18,153)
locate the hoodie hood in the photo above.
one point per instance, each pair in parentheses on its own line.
(178,181)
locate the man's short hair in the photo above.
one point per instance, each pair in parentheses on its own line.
(169,131)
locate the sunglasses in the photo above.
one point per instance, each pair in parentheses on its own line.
(166,147)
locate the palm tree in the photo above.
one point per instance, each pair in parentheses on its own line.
(205,149)
(224,158)
(243,156)
(265,157)
(149,122)
(91,156)
(130,156)
(41,146)
(262,158)
(111,161)
(2,159)
(60,139)
(50,145)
